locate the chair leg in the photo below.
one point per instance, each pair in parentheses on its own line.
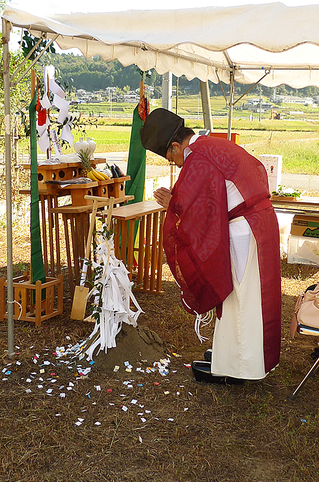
(311,371)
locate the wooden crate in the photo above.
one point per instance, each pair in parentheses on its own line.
(58,172)
(233,136)
(104,188)
(78,191)
(33,302)
(117,188)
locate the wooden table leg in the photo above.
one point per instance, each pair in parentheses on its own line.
(57,237)
(130,247)
(51,236)
(140,262)
(154,251)
(65,218)
(75,248)
(123,240)
(44,235)
(160,253)
(147,251)
(117,235)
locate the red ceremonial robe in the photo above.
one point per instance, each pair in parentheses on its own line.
(196,233)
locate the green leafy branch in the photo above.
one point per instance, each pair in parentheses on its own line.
(28,42)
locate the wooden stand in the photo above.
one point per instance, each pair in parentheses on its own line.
(58,172)
(75,217)
(33,302)
(76,226)
(150,218)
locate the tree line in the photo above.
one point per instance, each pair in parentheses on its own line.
(77,72)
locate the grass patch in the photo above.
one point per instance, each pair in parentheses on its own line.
(299,149)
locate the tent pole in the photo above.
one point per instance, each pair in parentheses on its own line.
(231,105)
(7,143)
(167,90)
(207,114)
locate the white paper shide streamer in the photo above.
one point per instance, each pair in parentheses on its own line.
(113,299)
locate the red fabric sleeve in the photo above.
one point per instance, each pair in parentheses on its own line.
(196,236)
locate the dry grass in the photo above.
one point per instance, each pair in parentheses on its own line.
(191,431)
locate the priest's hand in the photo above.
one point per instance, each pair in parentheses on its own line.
(163,196)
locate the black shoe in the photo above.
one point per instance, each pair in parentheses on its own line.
(315,354)
(208,354)
(202,373)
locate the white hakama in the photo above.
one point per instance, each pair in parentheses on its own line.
(238,336)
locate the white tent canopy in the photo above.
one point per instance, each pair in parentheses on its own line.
(207,43)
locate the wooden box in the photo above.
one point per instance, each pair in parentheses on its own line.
(233,136)
(78,191)
(57,172)
(104,188)
(33,302)
(117,189)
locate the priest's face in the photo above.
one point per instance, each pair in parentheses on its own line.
(175,154)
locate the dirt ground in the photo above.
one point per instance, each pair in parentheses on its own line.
(64,419)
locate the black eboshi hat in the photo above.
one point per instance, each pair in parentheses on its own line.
(159,128)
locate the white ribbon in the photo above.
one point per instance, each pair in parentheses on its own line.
(115,299)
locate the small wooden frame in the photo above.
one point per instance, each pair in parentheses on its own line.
(33,302)
(117,188)
(104,188)
(78,191)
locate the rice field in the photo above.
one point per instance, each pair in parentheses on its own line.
(299,149)
(296,137)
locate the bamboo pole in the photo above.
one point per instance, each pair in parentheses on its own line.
(7,141)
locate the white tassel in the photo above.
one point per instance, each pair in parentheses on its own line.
(203,320)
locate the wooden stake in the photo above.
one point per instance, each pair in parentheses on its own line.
(142,86)
(48,114)
(32,83)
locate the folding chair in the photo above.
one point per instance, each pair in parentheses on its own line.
(306,330)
